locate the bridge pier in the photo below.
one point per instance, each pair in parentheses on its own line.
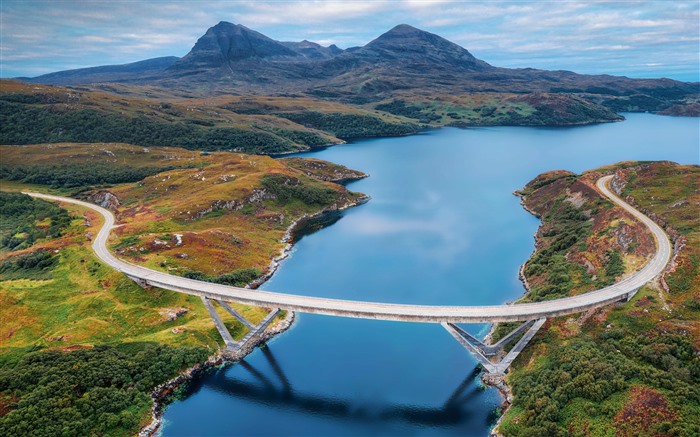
(482,351)
(253,330)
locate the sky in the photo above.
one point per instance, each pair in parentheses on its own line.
(631,38)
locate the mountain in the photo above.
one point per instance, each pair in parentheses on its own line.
(141,70)
(226,44)
(405,61)
(415,47)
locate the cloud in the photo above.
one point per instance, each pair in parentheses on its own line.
(584,36)
(445,231)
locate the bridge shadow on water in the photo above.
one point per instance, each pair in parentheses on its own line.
(276,390)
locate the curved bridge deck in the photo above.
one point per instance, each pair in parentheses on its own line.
(533,314)
(387,311)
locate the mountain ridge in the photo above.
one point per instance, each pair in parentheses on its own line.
(231,58)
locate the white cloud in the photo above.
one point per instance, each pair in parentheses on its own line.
(541,34)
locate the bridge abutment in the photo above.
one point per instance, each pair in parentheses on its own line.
(140,281)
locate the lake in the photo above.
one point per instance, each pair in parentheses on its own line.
(442,227)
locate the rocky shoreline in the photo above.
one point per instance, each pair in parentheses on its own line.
(161,394)
(288,238)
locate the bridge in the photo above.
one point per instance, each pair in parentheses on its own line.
(533,314)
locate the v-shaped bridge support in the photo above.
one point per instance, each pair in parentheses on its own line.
(482,351)
(253,330)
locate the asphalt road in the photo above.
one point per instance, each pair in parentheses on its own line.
(387,311)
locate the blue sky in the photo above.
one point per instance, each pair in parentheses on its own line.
(632,38)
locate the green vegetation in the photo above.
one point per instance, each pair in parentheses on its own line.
(628,370)
(287,188)
(99,391)
(26,220)
(237,278)
(310,139)
(568,226)
(400,107)
(74,175)
(350,125)
(614,265)
(28,124)
(499,109)
(582,384)
(35,265)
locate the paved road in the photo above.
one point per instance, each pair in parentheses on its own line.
(387,311)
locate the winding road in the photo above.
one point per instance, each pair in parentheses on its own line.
(388,311)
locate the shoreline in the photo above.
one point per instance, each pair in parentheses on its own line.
(162,393)
(500,383)
(617,184)
(288,238)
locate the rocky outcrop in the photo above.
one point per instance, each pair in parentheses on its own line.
(105,199)
(324,170)
(256,196)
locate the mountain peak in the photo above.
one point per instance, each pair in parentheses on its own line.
(409,43)
(227,42)
(404,29)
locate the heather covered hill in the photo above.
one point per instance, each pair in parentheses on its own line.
(150,116)
(41,114)
(96,334)
(231,210)
(627,369)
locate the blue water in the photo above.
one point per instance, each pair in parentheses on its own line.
(442,228)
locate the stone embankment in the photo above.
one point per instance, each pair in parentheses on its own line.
(162,394)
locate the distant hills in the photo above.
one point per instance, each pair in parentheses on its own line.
(108,73)
(240,90)
(231,57)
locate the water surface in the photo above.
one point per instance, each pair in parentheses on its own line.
(442,228)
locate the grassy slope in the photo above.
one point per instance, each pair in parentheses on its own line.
(80,303)
(151,116)
(498,109)
(585,241)
(630,369)
(42,113)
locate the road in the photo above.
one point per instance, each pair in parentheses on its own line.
(387,311)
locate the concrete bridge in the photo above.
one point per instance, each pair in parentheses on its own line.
(533,314)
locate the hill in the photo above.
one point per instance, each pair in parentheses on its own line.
(150,116)
(82,346)
(628,369)
(110,73)
(40,114)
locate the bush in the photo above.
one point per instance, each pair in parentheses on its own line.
(350,125)
(287,188)
(74,175)
(21,214)
(237,278)
(98,391)
(33,265)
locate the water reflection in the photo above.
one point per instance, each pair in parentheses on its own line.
(275,389)
(442,229)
